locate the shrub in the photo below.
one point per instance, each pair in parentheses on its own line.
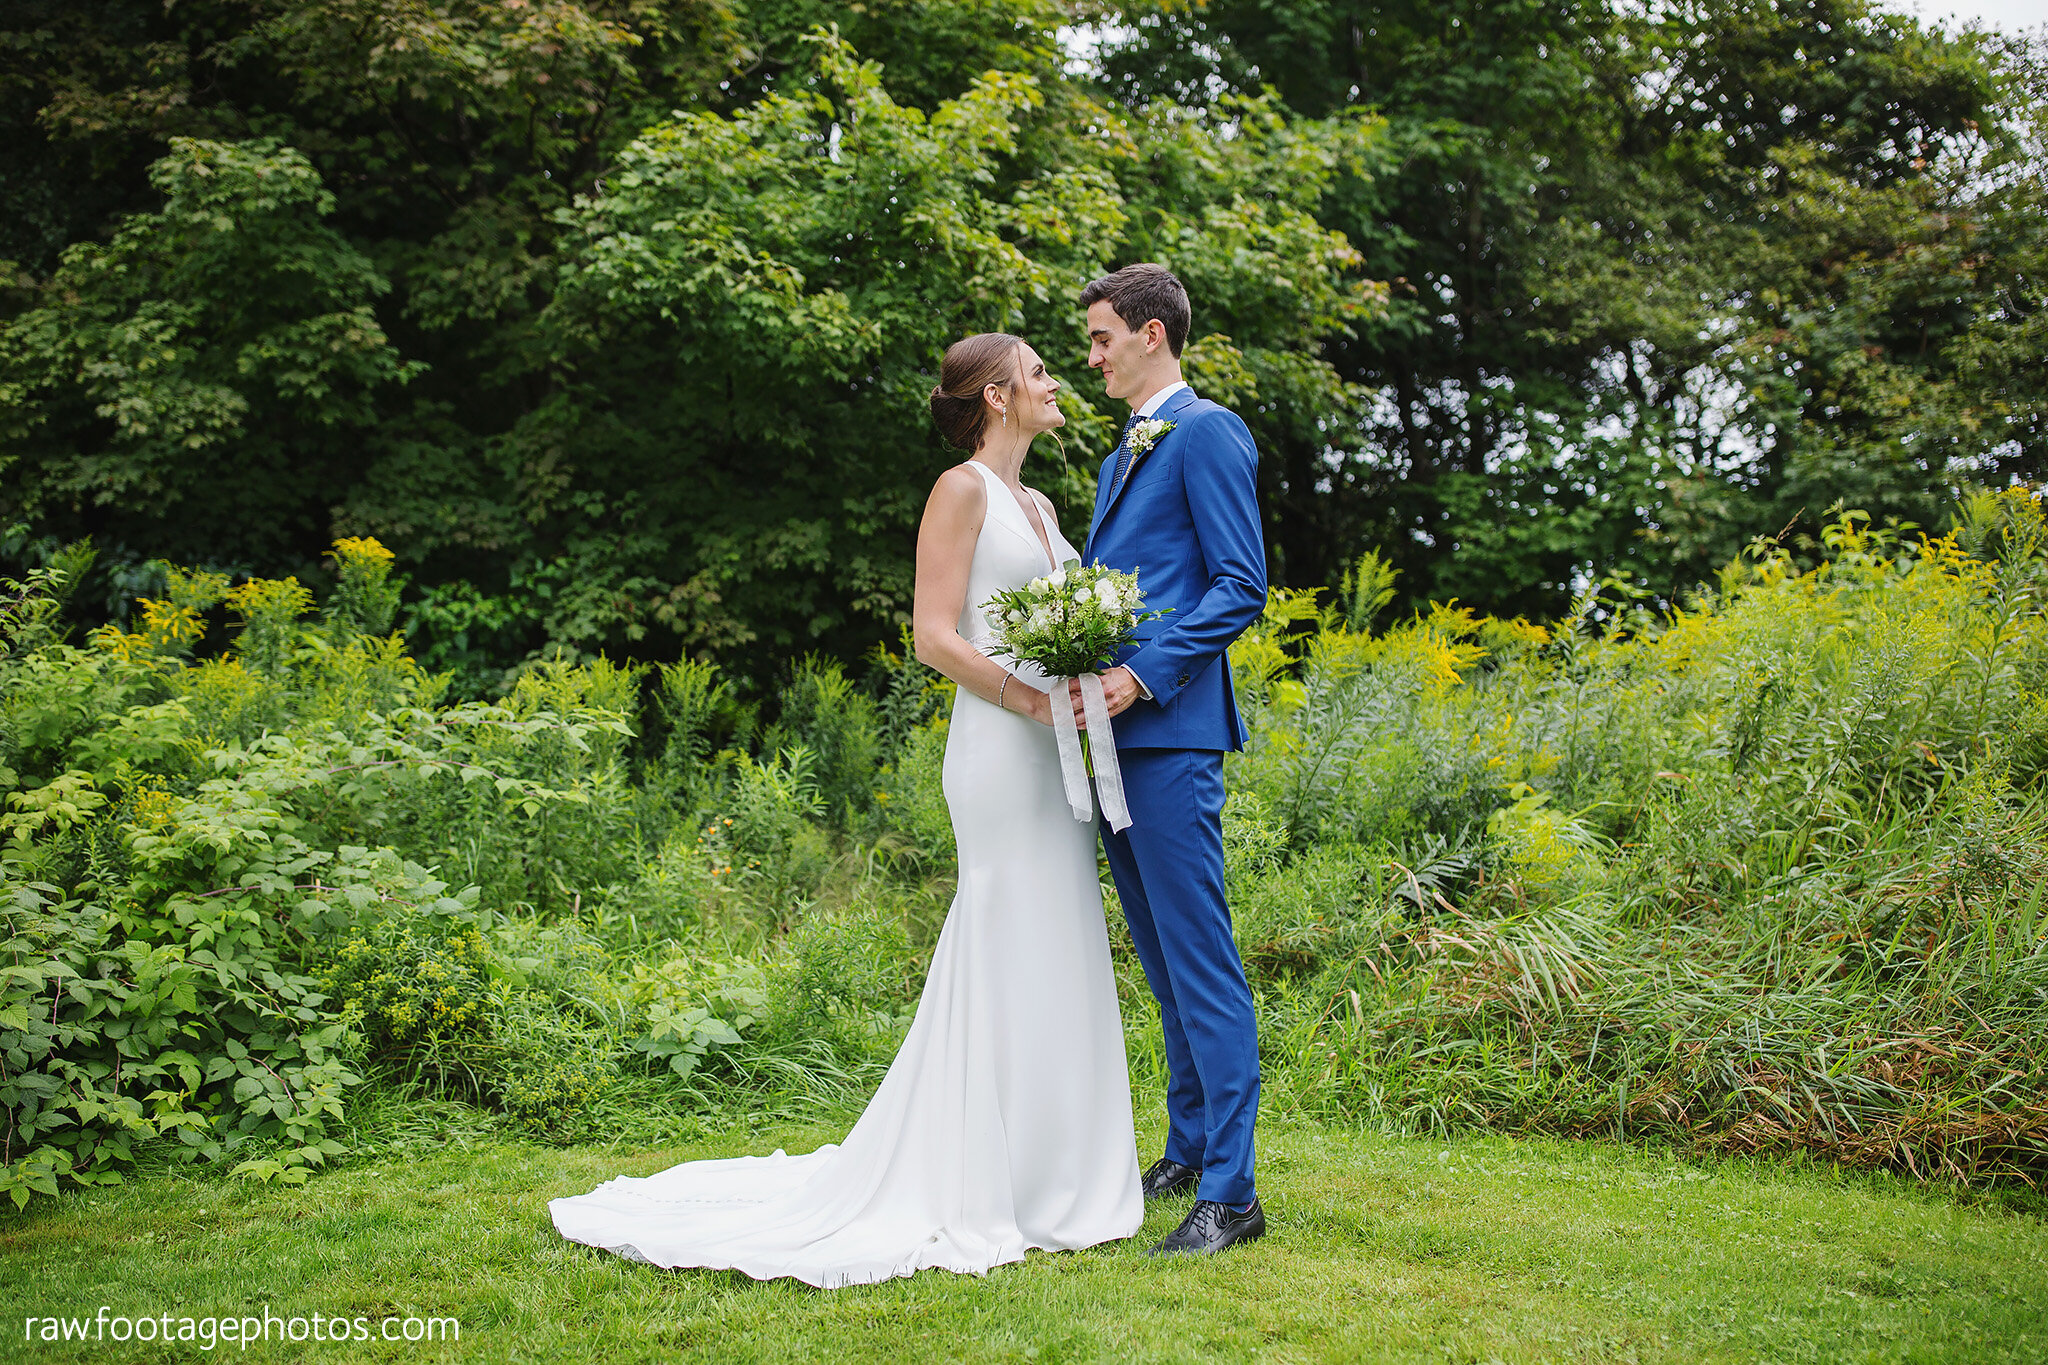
(1755,877)
(910,799)
(908,695)
(365,600)
(703,725)
(551,1067)
(1764,873)
(766,847)
(270,611)
(828,718)
(185,846)
(692,1008)
(851,979)
(413,994)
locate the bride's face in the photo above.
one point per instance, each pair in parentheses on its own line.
(1034,406)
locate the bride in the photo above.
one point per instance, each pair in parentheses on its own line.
(1005,1121)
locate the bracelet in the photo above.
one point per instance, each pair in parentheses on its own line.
(999,693)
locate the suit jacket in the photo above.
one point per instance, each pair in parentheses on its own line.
(1186,519)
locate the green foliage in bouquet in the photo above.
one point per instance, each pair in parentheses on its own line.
(1071,621)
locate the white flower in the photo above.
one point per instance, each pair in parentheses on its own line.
(1057,578)
(1146,434)
(1036,587)
(1080,597)
(1106,594)
(1015,617)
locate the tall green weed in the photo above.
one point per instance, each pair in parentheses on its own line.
(1764,873)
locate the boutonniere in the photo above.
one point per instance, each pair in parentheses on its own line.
(1146,434)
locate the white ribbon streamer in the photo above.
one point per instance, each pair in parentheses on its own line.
(1109,778)
(1073,767)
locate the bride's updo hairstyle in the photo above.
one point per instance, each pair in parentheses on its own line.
(971,365)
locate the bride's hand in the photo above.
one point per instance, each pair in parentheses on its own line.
(1039,707)
(1028,701)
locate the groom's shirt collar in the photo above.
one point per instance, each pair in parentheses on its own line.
(1158,400)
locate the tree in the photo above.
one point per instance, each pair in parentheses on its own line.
(753,309)
(614,318)
(662,282)
(1601,222)
(179,384)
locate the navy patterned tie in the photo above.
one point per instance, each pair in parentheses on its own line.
(1123,463)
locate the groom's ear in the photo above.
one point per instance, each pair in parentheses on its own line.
(1154,332)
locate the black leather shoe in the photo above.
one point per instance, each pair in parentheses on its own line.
(1210,1227)
(1168,1179)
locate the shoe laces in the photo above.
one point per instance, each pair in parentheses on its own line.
(1208,1215)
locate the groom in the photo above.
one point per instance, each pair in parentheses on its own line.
(1177,500)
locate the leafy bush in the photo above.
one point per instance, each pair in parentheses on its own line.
(365,600)
(695,1007)
(412,993)
(910,798)
(1764,873)
(205,863)
(766,846)
(827,717)
(119,1024)
(851,979)
(552,1067)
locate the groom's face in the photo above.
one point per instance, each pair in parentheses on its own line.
(1123,356)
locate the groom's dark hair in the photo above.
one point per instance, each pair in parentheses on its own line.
(1142,292)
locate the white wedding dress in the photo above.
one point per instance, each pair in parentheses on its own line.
(1005,1121)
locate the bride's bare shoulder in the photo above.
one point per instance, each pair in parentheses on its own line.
(958,491)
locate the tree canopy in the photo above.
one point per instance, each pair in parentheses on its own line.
(615,319)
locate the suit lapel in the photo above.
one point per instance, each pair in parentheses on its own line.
(1105,495)
(1102,486)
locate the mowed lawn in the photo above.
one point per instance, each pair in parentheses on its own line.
(1473,1250)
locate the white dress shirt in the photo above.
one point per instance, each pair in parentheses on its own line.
(1158,400)
(1152,405)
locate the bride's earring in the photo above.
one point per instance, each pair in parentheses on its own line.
(1006,415)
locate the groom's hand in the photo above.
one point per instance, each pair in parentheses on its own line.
(1119,689)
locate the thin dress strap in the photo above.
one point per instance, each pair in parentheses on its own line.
(1042,541)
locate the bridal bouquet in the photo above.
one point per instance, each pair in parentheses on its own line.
(1072,623)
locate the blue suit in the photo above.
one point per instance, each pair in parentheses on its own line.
(1185,516)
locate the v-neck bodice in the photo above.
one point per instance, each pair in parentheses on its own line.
(1007,554)
(1044,539)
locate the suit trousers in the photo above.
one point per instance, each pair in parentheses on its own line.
(1168,867)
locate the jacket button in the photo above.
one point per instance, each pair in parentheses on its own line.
(1181,681)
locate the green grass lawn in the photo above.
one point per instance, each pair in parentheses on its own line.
(1464,1251)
